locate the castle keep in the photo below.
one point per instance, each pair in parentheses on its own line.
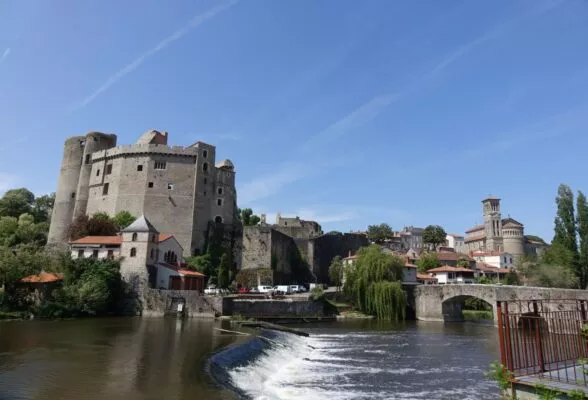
(180,189)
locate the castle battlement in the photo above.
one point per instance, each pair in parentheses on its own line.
(150,149)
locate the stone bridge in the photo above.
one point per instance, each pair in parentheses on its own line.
(444,302)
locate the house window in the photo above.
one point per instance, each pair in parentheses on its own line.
(154,239)
(205,153)
(88,158)
(170,186)
(97,172)
(134,239)
(110,254)
(152,254)
(218,219)
(80,253)
(139,168)
(220,190)
(133,252)
(219,202)
(109,169)
(205,167)
(150,184)
(160,165)
(105,189)
(95,254)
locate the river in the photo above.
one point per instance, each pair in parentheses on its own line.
(133,358)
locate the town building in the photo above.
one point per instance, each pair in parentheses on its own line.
(409,271)
(494,259)
(149,259)
(426,279)
(497,233)
(456,242)
(411,238)
(491,272)
(180,189)
(449,275)
(452,258)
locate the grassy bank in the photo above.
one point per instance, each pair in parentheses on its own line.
(475,315)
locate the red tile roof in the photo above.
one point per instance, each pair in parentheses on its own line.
(489,268)
(448,268)
(479,253)
(164,236)
(452,256)
(108,240)
(473,238)
(43,277)
(425,277)
(475,228)
(188,272)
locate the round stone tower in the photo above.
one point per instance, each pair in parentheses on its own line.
(76,164)
(513,238)
(94,141)
(69,174)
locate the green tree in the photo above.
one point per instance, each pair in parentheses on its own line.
(375,283)
(16,202)
(8,228)
(248,218)
(21,260)
(463,263)
(565,226)
(512,278)
(43,207)
(99,225)
(223,272)
(582,221)
(123,219)
(202,264)
(379,233)
(434,235)
(336,272)
(427,261)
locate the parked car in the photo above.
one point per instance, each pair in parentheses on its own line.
(282,289)
(265,289)
(297,289)
(211,290)
(243,290)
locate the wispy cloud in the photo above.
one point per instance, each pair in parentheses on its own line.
(371,109)
(194,23)
(5,54)
(269,184)
(10,144)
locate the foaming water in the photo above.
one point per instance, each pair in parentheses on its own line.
(395,364)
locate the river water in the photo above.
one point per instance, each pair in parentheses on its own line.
(133,358)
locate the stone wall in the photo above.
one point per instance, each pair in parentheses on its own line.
(157,303)
(330,245)
(288,308)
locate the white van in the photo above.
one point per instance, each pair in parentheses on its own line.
(265,289)
(297,288)
(283,289)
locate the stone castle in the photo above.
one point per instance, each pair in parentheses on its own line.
(496,234)
(180,189)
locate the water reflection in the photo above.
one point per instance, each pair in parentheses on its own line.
(108,358)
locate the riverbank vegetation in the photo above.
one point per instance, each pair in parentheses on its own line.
(373,284)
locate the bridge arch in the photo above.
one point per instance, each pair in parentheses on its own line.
(453,308)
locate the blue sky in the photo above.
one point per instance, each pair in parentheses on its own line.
(348,112)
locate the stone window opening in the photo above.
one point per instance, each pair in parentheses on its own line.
(160,165)
(170,186)
(133,252)
(150,184)
(204,193)
(220,191)
(134,239)
(139,168)
(219,202)
(82,143)
(205,167)
(88,158)
(151,255)
(73,195)
(154,239)
(218,219)
(97,172)
(170,257)
(205,153)
(109,169)
(105,189)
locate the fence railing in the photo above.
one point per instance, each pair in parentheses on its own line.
(545,339)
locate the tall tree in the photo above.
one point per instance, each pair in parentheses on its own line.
(336,272)
(379,233)
(43,207)
(434,235)
(247,217)
(565,229)
(428,261)
(124,219)
(16,202)
(223,272)
(582,221)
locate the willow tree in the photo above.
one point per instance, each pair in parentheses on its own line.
(374,283)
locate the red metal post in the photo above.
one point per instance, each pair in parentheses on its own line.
(538,337)
(500,332)
(508,340)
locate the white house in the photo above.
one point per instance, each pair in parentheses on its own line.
(448,274)
(426,279)
(456,242)
(153,255)
(494,258)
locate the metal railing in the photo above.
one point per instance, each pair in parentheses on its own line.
(544,339)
